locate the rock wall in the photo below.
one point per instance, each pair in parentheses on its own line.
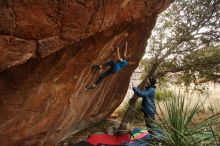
(47,48)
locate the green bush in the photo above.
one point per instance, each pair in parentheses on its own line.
(176,124)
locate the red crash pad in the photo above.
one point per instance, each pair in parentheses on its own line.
(109,139)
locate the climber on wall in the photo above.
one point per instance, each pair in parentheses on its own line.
(113,67)
(148,101)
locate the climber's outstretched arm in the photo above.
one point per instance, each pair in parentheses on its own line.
(126,49)
(118,54)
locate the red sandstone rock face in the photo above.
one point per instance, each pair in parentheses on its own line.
(46,52)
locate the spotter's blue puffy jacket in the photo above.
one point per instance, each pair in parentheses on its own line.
(148,101)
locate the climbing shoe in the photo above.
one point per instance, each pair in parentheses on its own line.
(96,67)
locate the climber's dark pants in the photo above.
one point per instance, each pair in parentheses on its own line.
(110,71)
(148,119)
(110,63)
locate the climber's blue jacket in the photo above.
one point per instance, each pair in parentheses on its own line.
(148,102)
(119,65)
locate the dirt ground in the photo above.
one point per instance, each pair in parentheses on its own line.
(107,126)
